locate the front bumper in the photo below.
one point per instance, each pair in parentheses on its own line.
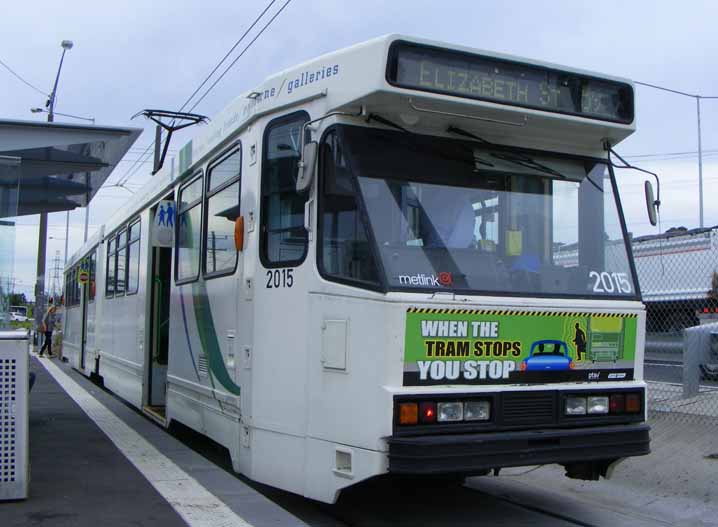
(474,453)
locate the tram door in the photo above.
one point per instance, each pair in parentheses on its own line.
(160,324)
(87,340)
(83,337)
(159,334)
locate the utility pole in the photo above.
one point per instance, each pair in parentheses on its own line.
(700,142)
(700,163)
(56,273)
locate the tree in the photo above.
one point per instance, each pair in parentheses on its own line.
(18,299)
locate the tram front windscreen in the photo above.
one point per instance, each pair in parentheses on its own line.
(402,211)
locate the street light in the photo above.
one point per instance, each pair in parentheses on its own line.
(42,234)
(700,142)
(50,104)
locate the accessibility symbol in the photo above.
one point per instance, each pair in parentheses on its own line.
(163,224)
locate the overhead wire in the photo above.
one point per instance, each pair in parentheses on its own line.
(241,54)
(21,79)
(144,157)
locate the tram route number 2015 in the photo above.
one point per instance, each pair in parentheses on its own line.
(277,278)
(610,282)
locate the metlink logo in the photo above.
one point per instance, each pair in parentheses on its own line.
(419,279)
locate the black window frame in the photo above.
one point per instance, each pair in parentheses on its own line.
(196,175)
(386,288)
(91,293)
(264,237)
(110,258)
(208,194)
(380,285)
(121,233)
(137,221)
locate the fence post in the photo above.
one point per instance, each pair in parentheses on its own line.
(694,341)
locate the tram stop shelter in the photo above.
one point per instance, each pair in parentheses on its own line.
(52,167)
(57,166)
(44,167)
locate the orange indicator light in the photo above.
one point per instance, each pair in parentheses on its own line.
(408,413)
(633,403)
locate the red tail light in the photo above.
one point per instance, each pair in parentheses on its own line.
(617,404)
(427,412)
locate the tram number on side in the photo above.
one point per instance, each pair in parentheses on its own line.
(277,278)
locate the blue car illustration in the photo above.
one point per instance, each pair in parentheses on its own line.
(548,355)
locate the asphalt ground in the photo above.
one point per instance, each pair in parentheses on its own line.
(79,477)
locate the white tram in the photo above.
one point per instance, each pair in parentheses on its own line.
(356,270)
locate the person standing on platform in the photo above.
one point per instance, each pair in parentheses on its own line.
(48,325)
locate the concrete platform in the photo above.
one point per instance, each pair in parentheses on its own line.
(88,469)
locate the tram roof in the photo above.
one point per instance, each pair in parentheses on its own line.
(358,77)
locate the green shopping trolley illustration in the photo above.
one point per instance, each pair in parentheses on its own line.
(605,339)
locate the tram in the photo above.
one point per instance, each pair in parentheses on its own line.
(355,270)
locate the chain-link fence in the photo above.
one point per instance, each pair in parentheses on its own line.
(677,271)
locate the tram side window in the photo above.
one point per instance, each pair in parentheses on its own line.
(223,195)
(346,252)
(110,268)
(284,238)
(121,265)
(76,286)
(68,287)
(91,284)
(133,258)
(189,218)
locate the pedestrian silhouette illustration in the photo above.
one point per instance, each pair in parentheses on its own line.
(580,341)
(161,220)
(170,215)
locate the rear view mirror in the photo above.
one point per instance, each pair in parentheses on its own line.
(306,166)
(651,203)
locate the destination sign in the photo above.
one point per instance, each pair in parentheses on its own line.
(505,82)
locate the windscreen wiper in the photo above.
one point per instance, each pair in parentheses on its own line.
(527,162)
(386,122)
(477,160)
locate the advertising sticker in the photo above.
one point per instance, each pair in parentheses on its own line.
(465,346)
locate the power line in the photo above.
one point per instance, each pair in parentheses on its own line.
(23,80)
(241,54)
(678,92)
(144,157)
(661,154)
(239,41)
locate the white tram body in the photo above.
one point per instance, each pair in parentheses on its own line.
(296,328)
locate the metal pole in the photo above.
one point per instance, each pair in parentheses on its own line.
(87,206)
(700,162)
(67,233)
(40,281)
(51,101)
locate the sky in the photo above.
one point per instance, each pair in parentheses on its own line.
(136,54)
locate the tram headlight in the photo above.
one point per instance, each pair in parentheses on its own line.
(575,406)
(477,410)
(597,405)
(450,412)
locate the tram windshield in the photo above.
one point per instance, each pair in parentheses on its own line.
(408,212)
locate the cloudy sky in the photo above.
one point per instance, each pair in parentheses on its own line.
(137,54)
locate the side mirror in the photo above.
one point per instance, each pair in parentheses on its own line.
(306,166)
(651,203)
